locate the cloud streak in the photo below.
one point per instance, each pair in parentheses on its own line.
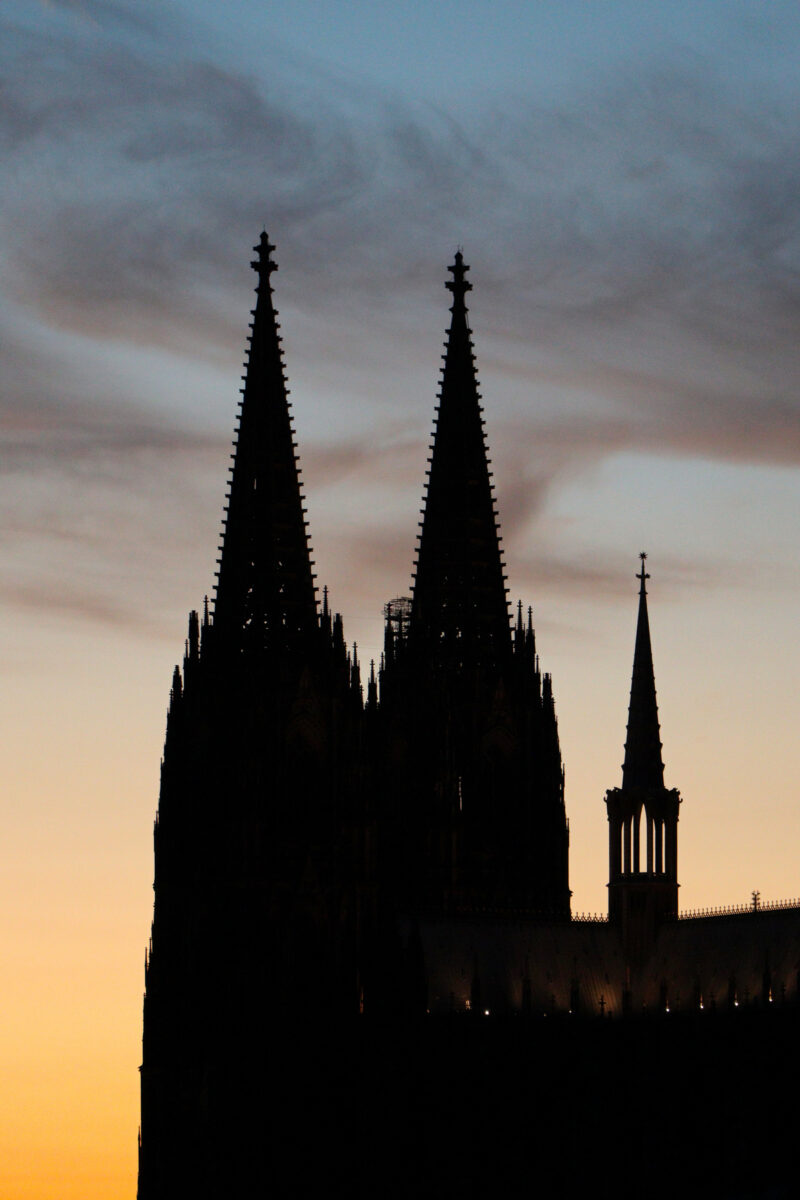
(636,255)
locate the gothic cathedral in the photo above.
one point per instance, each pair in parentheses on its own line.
(388,853)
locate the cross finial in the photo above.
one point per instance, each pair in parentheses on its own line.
(642,574)
(264,263)
(459,284)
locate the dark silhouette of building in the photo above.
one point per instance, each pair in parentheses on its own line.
(642,814)
(471,814)
(347,886)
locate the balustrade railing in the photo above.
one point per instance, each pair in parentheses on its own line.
(695,914)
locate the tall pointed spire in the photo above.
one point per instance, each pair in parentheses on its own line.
(459,595)
(643,766)
(642,814)
(265,591)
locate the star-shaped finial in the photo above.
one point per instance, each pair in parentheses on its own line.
(642,574)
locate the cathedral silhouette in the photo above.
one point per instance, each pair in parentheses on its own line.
(362,921)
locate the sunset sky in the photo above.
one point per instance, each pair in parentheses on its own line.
(625,181)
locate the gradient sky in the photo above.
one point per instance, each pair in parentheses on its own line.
(624,179)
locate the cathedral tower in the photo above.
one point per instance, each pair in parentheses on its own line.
(643,813)
(474,805)
(256,877)
(328,870)
(303,839)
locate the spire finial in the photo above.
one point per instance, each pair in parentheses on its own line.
(459,285)
(642,574)
(264,263)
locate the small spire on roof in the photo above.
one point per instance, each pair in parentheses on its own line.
(643,766)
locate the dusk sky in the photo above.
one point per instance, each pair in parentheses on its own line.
(624,179)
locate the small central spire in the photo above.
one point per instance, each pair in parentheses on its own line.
(643,766)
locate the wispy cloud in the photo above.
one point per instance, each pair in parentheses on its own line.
(90,604)
(636,255)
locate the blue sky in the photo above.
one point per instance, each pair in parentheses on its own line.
(624,180)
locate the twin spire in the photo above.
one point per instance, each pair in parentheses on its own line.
(265,591)
(459,596)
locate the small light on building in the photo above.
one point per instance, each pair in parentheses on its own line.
(486,1012)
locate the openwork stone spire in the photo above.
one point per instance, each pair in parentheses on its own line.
(643,766)
(265,592)
(460,604)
